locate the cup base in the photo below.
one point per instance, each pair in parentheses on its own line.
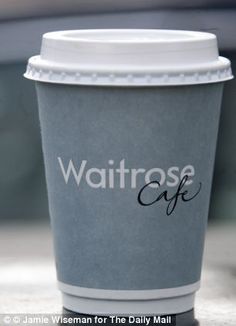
(106,307)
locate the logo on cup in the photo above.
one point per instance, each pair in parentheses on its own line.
(121,177)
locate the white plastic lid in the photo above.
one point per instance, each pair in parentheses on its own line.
(129,57)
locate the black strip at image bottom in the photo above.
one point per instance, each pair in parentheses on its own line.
(183,319)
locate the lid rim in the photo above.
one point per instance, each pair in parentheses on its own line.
(61,35)
(129,78)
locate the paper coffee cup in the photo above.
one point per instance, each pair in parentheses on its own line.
(129,122)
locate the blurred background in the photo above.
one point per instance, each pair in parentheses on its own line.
(27,273)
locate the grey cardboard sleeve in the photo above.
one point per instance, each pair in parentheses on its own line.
(104,237)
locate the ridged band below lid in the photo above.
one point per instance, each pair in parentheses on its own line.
(82,77)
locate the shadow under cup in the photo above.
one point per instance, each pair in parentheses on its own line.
(129,172)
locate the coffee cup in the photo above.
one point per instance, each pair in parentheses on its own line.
(129,122)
